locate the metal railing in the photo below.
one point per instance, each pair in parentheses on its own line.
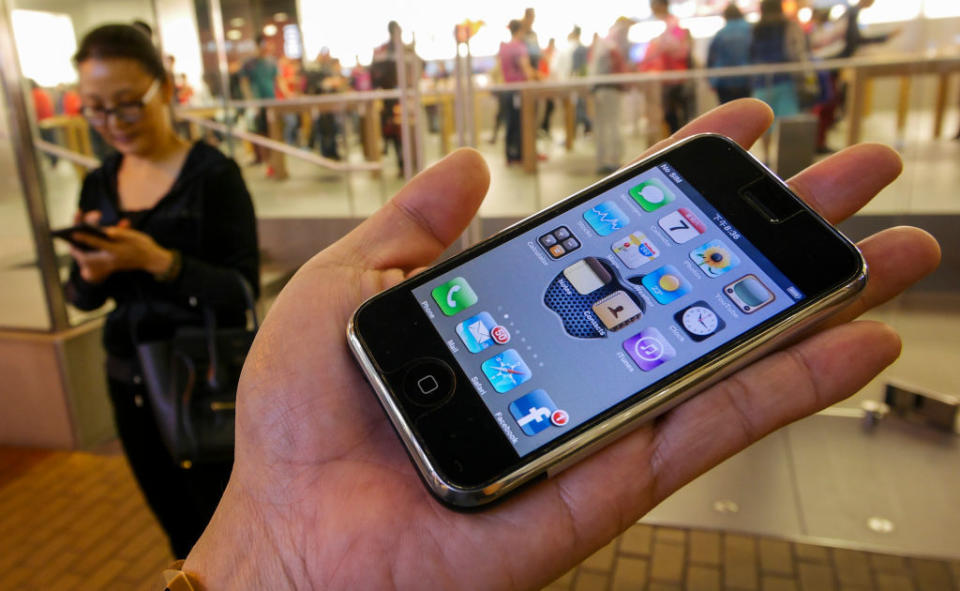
(861,68)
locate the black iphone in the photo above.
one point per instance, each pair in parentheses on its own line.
(513,359)
(67,234)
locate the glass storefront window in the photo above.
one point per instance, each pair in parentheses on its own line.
(23,303)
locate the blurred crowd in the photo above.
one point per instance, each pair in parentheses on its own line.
(775,37)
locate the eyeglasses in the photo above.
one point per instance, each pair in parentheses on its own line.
(128,112)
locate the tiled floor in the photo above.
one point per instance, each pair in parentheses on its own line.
(664,559)
(72,518)
(77,520)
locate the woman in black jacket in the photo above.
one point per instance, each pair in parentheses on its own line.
(181,227)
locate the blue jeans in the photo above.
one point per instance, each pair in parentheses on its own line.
(291,128)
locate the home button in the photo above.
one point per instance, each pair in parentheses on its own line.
(428,382)
(428,385)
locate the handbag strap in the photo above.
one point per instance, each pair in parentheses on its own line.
(210,332)
(248,297)
(210,329)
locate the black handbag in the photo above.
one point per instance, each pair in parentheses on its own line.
(191,381)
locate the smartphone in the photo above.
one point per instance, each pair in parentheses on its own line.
(67,234)
(515,358)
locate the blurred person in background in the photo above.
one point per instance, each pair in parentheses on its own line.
(530,38)
(181,227)
(290,85)
(515,67)
(776,40)
(360,76)
(610,57)
(669,52)
(850,42)
(182,92)
(854,38)
(496,77)
(826,40)
(731,48)
(383,73)
(43,110)
(326,78)
(571,62)
(258,81)
(71,103)
(545,70)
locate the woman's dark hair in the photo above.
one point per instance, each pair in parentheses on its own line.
(514,26)
(732,12)
(121,41)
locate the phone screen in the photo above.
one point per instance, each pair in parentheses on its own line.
(614,294)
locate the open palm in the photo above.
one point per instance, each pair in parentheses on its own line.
(323,496)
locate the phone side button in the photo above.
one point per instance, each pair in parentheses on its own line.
(428,382)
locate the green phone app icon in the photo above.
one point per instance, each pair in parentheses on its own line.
(454,296)
(651,195)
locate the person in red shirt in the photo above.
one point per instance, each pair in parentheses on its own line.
(668,52)
(72,104)
(42,103)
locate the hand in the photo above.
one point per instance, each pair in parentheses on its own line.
(322,494)
(126,250)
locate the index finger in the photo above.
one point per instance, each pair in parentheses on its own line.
(840,185)
(743,121)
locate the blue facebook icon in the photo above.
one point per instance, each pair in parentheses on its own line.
(535,412)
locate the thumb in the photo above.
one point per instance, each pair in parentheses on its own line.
(423,219)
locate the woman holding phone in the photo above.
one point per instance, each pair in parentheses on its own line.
(180,225)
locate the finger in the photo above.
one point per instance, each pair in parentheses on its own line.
(413,272)
(838,186)
(723,420)
(423,219)
(77,217)
(896,259)
(92,217)
(743,121)
(124,223)
(778,390)
(117,232)
(78,255)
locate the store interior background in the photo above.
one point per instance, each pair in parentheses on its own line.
(827,478)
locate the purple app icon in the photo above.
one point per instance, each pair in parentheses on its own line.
(649,349)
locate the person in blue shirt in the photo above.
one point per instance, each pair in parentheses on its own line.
(731,47)
(777,39)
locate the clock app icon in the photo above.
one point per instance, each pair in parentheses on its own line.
(699,321)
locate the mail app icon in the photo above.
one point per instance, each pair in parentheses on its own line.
(475,332)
